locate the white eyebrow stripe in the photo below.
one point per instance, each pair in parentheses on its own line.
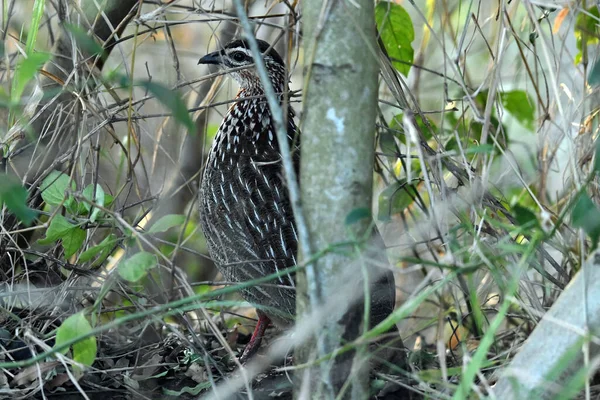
(236,49)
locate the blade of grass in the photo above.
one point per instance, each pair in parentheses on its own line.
(36,19)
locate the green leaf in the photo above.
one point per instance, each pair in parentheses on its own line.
(59,227)
(520,106)
(395,198)
(172,100)
(357,215)
(586,216)
(72,236)
(586,25)
(105,245)
(54,187)
(525,217)
(84,40)
(26,71)
(108,199)
(14,196)
(135,267)
(88,193)
(167,222)
(76,326)
(72,241)
(397,33)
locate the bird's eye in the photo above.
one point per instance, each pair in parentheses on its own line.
(238,56)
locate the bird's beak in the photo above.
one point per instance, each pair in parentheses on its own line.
(211,58)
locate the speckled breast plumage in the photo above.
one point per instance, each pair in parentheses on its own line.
(244,206)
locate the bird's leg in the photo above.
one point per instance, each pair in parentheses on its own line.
(256,338)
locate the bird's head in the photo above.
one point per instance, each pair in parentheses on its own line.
(236,57)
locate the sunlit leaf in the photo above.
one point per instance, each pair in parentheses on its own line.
(54,187)
(397,34)
(137,266)
(167,222)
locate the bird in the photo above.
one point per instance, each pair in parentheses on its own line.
(244,205)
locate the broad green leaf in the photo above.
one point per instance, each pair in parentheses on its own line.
(108,199)
(397,34)
(587,25)
(106,245)
(88,193)
(76,326)
(84,40)
(520,106)
(395,199)
(167,222)
(54,187)
(72,236)
(525,217)
(586,216)
(358,214)
(26,71)
(59,227)
(72,241)
(14,196)
(172,100)
(135,267)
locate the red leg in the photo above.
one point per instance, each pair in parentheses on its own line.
(256,338)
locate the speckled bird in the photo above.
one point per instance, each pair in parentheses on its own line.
(245,210)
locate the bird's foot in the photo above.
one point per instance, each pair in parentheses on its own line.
(256,338)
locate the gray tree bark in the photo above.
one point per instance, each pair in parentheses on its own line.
(336,175)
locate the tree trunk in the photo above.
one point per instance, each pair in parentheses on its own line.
(336,176)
